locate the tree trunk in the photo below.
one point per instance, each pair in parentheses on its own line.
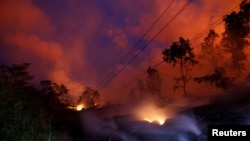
(183,78)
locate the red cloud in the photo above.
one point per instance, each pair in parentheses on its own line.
(50,51)
(16,15)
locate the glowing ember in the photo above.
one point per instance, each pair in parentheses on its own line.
(79,107)
(158,120)
(152,114)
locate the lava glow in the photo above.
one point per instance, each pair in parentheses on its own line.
(79,107)
(158,120)
(152,114)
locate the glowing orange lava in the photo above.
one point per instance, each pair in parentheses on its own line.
(158,120)
(152,114)
(80,107)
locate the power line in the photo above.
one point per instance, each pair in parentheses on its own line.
(199,35)
(196,37)
(144,47)
(133,82)
(136,44)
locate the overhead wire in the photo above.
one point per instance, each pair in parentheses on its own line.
(133,82)
(135,45)
(203,32)
(146,45)
(195,38)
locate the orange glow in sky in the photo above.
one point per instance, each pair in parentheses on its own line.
(78,43)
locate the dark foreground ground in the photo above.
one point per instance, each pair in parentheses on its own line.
(187,125)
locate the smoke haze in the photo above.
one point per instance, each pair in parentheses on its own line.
(78,43)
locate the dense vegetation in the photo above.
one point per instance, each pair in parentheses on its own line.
(28,113)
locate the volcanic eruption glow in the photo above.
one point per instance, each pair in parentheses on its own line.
(80,107)
(158,120)
(151,113)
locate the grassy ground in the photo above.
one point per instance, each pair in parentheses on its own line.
(25,116)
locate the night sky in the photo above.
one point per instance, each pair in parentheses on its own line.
(81,42)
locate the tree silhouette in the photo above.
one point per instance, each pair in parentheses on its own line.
(180,53)
(237,28)
(15,75)
(210,50)
(57,93)
(46,86)
(89,97)
(27,113)
(61,93)
(218,78)
(153,82)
